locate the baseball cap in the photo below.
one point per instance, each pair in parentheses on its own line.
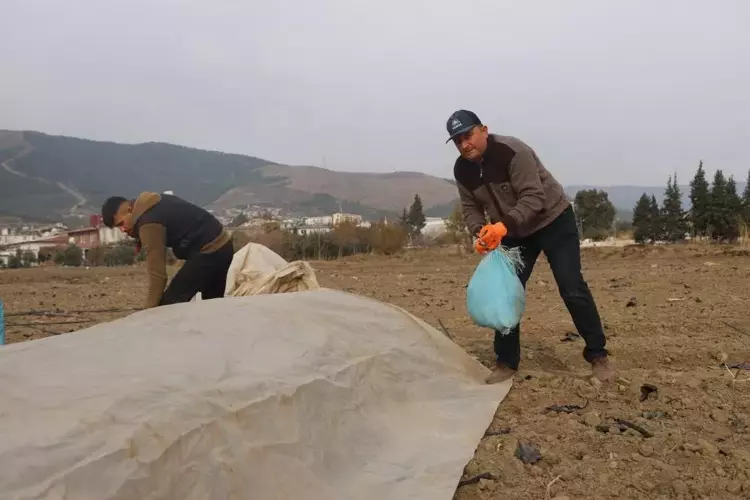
(461,121)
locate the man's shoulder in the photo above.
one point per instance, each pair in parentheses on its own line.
(510,141)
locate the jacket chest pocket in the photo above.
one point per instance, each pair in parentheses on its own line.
(504,195)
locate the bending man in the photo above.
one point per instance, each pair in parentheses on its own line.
(161,221)
(527,208)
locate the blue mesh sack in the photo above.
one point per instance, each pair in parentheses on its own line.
(495,296)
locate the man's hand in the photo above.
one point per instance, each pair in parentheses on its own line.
(490,237)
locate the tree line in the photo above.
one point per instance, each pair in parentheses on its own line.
(69,255)
(341,240)
(717,211)
(344,239)
(120,254)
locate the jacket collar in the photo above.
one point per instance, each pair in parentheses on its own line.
(141,205)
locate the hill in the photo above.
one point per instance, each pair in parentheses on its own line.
(46,177)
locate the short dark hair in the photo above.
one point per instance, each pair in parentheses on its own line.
(110,208)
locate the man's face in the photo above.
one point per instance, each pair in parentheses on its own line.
(473,143)
(122,217)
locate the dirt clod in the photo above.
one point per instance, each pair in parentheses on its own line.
(734,487)
(653,415)
(603,428)
(646,450)
(720,416)
(591,419)
(528,453)
(680,487)
(648,391)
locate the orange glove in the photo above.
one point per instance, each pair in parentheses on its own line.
(490,237)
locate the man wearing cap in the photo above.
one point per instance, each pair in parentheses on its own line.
(527,208)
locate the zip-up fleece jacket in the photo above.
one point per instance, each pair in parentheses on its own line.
(511,185)
(161,221)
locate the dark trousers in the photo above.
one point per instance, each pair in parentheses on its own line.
(204,273)
(559,242)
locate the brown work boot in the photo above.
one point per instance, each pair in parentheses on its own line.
(501,373)
(601,369)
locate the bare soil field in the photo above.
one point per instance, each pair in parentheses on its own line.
(676,318)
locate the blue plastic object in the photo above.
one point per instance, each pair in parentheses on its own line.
(495,296)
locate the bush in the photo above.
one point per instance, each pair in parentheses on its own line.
(70,256)
(388,239)
(95,256)
(119,255)
(59,258)
(342,241)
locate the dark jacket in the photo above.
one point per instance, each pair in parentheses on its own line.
(161,221)
(511,185)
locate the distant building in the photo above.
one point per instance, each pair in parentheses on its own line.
(340,218)
(291,224)
(325,220)
(33,246)
(308,230)
(96,234)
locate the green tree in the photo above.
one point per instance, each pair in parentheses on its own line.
(642,219)
(457,231)
(28,258)
(734,210)
(596,212)
(656,227)
(43,256)
(416,218)
(723,207)
(59,258)
(15,262)
(699,201)
(119,255)
(72,256)
(746,200)
(95,256)
(673,216)
(403,220)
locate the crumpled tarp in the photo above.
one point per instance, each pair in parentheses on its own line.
(308,395)
(256,269)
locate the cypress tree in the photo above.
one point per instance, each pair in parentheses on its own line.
(733,211)
(642,219)
(716,214)
(699,195)
(746,200)
(673,216)
(655,227)
(415,216)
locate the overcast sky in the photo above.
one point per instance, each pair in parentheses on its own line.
(607,92)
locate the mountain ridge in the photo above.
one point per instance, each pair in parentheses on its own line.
(47,177)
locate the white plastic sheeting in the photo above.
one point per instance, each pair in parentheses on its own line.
(307,395)
(257,269)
